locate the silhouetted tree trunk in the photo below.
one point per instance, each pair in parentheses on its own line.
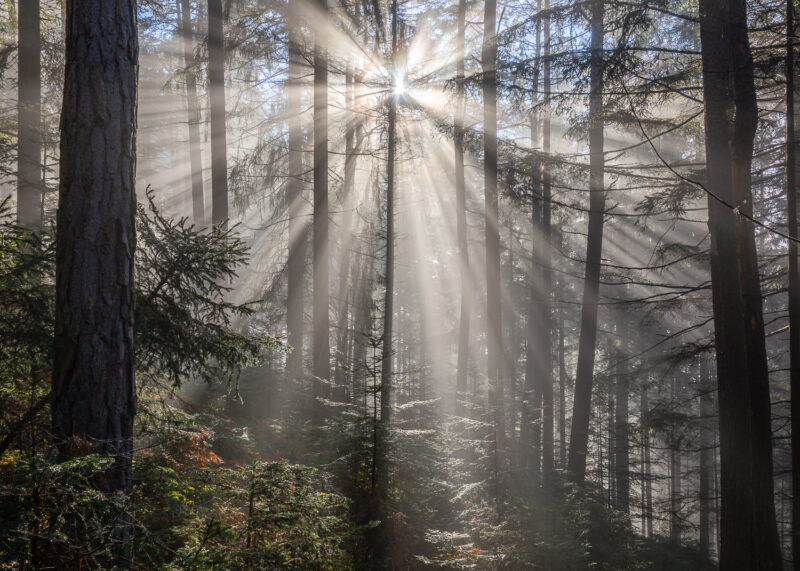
(388,306)
(94,397)
(492,235)
(647,477)
(30,186)
(706,457)
(298,226)
(581,411)
(216,88)
(321,325)
(621,450)
(537,337)
(749,532)
(195,152)
(548,462)
(461,217)
(792,165)
(674,474)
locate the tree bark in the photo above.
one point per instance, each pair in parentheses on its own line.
(706,458)
(321,324)
(749,538)
(792,165)
(298,226)
(30,186)
(461,218)
(492,237)
(621,448)
(216,87)
(94,397)
(193,107)
(388,307)
(581,412)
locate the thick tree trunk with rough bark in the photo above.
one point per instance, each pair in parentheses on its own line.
(582,405)
(30,186)
(94,397)
(216,88)
(749,538)
(193,110)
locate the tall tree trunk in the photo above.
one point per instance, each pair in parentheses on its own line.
(195,152)
(749,532)
(792,165)
(706,458)
(216,88)
(298,226)
(30,186)
(647,478)
(562,397)
(388,307)
(594,246)
(674,474)
(621,450)
(347,207)
(492,236)
(531,430)
(321,329)
(461,218)
(94,397)
(548,462)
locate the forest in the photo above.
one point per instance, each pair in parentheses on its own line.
(400,284)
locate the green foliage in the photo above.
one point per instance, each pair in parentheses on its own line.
(185,325)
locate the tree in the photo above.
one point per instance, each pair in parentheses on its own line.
(294,197)
(94,398)
(388,305)
(594,248)
(216,88)
(492,233)
(792,165)
(749,538)
(193,111)
(461,215)
(321,334)
(30,186)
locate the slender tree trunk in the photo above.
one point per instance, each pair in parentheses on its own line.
(548,462)
(621,447)
(749,532)
(216,88)
(388,306)
(594,246)
(647,477)
(706,458)
(562,398)
(348,205)
(94,397)
(321,341)
(195,152)
(461,219)
(612,453)
(531,430)
(298,226)
(792,165)
(674,475)
(30,184)
(492,237)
